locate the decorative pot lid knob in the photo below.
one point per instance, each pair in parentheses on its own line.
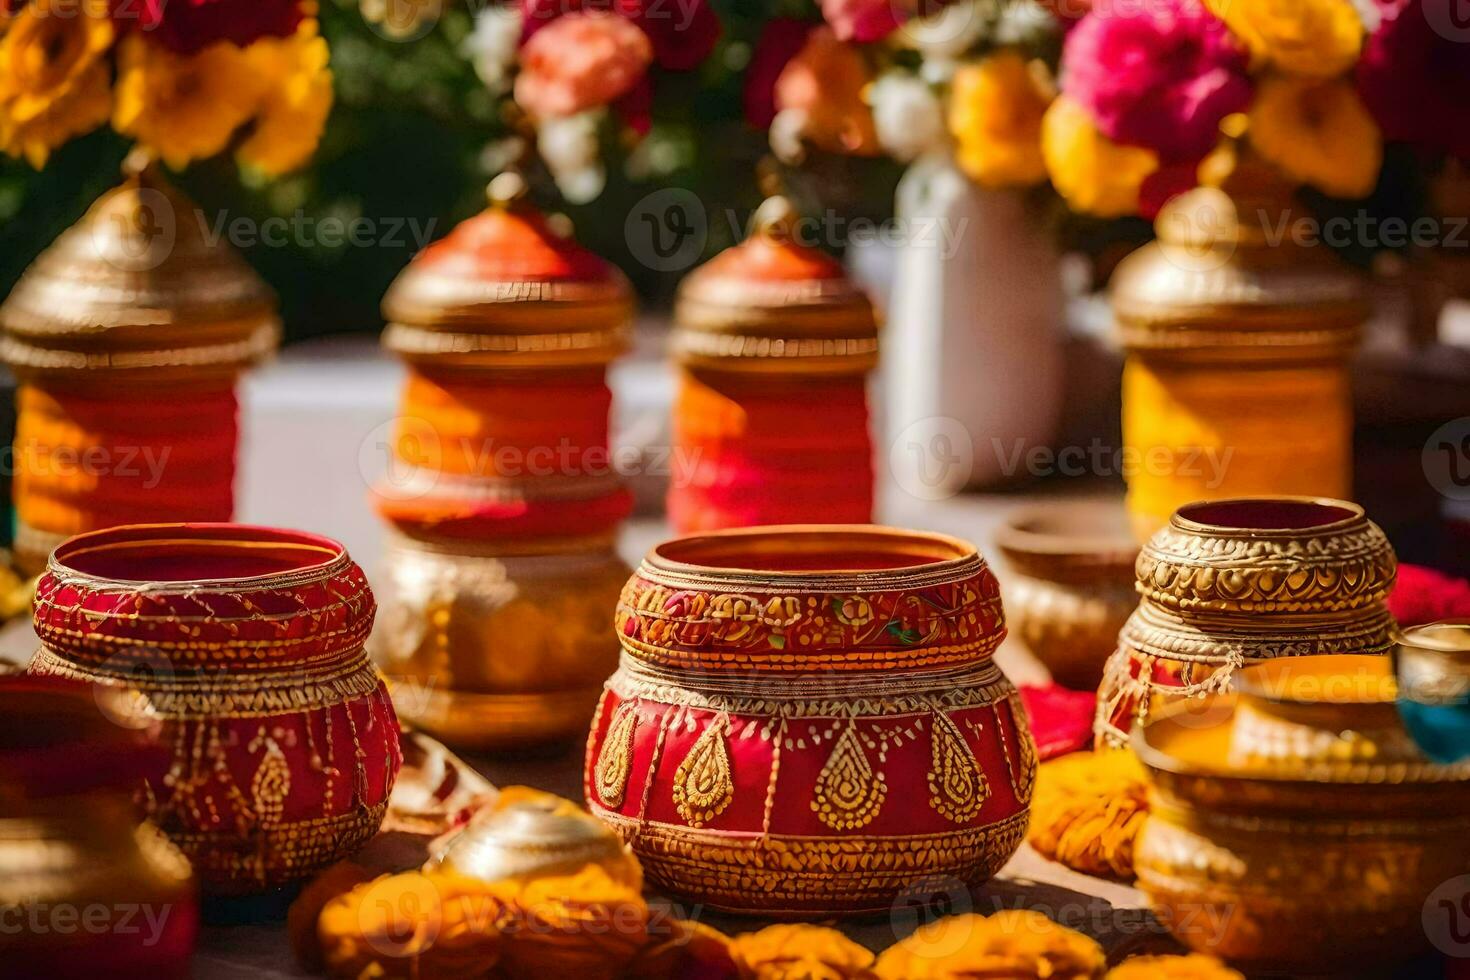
(774,305)
(508,289)
(138,288)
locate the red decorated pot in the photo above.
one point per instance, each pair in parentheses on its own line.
(807,720)
(247,643)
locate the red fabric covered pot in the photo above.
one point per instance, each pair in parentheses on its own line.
(247,643)
(807,720)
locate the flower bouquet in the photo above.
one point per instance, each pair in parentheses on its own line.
(958,94)
(1239,322)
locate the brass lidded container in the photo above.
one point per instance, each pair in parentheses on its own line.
(1239,330)
(774,344)
(500,490)
(1294,825)
(127,335)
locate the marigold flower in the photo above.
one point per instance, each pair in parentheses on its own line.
(800,952)
(1087,811)
(184,107)
(995,113)
(1192,967)
(53,80)
(295,108)
(420,926)
(1319,133)
(586,926)
(1317,38)
(686,951)
(1015,944)
(1094,174)
(580,61)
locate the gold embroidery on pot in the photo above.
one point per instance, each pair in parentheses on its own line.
(849,792)
(957,783)
(1023,782)
(702,784)
(616,757)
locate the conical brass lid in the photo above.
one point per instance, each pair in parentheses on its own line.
(774,305)
(138,289)
(1234,276)
(505,289)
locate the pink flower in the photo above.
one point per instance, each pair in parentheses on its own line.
(683,32)
(1414,76)
(580,61)
(873,20)
(1158,75)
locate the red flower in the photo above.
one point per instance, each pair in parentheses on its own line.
(1414,76)
(188,26)
(781,40)
(873,20)
(683,32)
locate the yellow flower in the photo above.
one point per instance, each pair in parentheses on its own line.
(586,926)
(995,112)
(296,104)
(420,926)
(53,80)
(1319,133)
(800,952)
(184,107)
(1094,174)
(1088,810)
(1191,967)
(1015,944)
(1319,38)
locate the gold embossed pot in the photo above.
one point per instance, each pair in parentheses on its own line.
(500,491)
(87,888)
(1294,826)
(807,720)
(1070,585)
(247,643)
(1234,582)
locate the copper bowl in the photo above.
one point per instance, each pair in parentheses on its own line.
(1070,587)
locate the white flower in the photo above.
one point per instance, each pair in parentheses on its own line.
(786,133)
(906,114)
(493,45)
(949,33)
(571,150)
(1370,13)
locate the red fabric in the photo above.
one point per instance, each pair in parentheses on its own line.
(103,457)
(786,450)
(1061,720)
(1423,595)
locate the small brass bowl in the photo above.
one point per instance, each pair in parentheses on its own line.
(1432,665)
(1294,825)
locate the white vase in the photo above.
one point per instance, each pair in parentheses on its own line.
(972,350)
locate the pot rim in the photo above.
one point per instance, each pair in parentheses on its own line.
(680,555)
(1023,532)
(1419,638)
(220,538)
(1187,518)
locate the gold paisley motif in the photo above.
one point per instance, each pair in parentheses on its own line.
(957,784)
(848,793)
(1023,782)
(702,783)
(271,783)
(616,758)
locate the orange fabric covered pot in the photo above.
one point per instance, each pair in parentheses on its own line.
(807,720)
(500,487)
(248,643)
(127,335)
(771,420)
